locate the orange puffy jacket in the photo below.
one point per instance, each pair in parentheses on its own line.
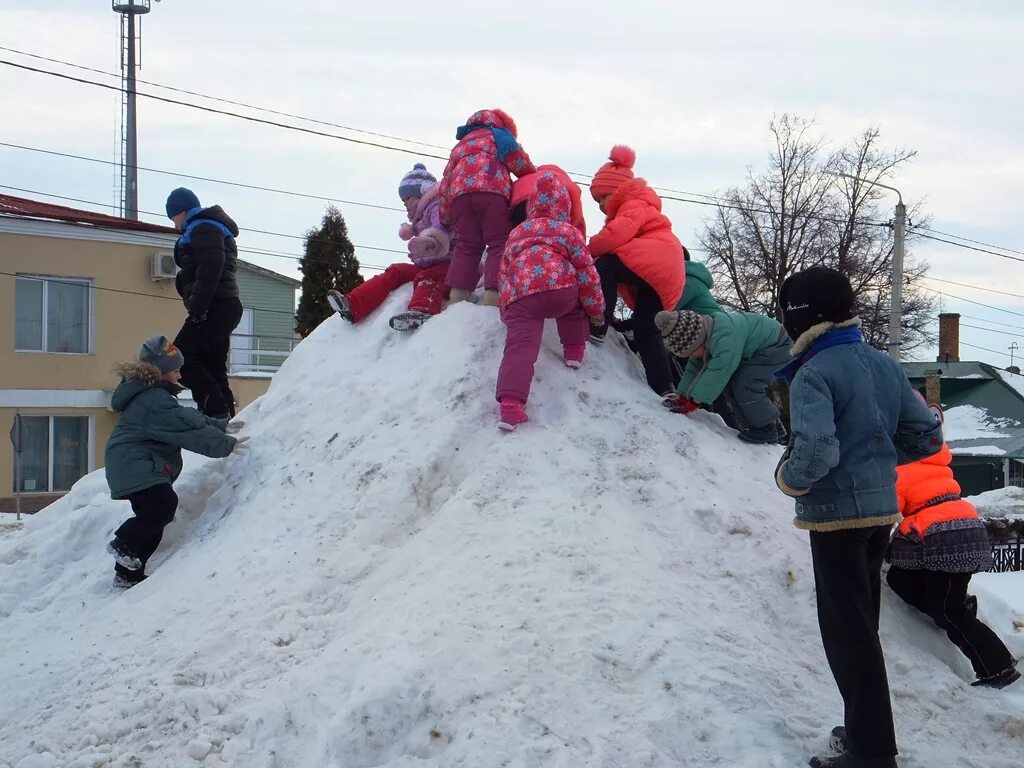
(641,236)
(929,494)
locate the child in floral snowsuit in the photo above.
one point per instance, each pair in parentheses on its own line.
(546,272)
(475,192)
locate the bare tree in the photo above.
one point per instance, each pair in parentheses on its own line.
(799,213)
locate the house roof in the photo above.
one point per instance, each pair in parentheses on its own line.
(34,209)
(984,407)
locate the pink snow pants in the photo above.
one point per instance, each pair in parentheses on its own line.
(524,321)
(428,289)
(479,219)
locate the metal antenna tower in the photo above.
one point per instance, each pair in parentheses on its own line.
(131,12)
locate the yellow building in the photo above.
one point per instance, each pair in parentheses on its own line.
(80,291)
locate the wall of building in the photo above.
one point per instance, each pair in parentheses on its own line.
(272,303)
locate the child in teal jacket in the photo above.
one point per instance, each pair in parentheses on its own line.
(734,355)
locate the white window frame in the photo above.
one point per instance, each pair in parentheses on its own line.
(90,464)
(91,320)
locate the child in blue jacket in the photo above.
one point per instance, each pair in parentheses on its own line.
(854,418)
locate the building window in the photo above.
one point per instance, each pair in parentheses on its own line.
(1016,473)
(52,315)
(54,453)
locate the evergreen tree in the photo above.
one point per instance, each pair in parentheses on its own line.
(329,263)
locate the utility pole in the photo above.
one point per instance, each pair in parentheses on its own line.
(131,171)
(1013,348)
(898,254)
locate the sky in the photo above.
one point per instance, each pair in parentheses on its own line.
(690,86)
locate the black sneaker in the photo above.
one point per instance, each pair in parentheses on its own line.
(339,303)
(837,740)
(124,556)
(1000,680)
(409,321)
(597,335)
(760,435)
(127,580)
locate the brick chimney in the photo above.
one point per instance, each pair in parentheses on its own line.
(949,338)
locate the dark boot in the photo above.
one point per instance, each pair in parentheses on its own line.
(837,740)
(123,556)
(598,333)
(125,579)
(1000,680)
(760,435)
(339,303)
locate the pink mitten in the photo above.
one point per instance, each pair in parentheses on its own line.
(406,231)
(422,246)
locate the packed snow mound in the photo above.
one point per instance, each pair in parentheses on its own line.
(1000,502)
(386,580)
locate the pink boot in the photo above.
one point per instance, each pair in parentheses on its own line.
(573,354)
(513,413)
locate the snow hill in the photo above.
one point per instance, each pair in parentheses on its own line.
(387,580)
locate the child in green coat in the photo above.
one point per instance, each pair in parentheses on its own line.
(697,289)
(143,455)
(734,355)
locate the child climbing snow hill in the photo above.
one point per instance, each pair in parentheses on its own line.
(638,256)
(546,272)
(475,191)
(429,244)
(143,456)
(524,187)
(938,545)
(734,356)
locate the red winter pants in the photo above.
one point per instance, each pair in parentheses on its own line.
(428,289)
(479,219)
(524,320)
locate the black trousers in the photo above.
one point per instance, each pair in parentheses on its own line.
(154,508)
(847,582)
(646,335)
(206,347)
(943,596)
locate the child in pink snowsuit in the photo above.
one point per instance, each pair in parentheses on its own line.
(475,190)
(428,250)
(546,271)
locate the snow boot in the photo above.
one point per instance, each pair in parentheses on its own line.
(409,321)
(458,294)
(513,413)
(339,303)
(573,354)
(850,760)
(971,606)
(760,435)
(1001,680)
(489,299)
(127,579)
(598,333)
(123,556)
(837,740)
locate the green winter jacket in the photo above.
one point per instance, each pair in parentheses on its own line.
(732,341)
(145,447)
(697,291)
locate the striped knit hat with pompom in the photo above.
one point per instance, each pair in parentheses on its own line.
(416,182)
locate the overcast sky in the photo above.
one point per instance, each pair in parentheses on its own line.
(690,86)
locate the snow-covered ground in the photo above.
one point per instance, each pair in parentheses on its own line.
(386,580)
(968,422)
(1001,502)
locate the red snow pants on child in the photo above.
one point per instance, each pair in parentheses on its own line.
(524,321)
(428,289)
(479,219)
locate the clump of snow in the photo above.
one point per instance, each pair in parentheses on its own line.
(968,422)
(386,580)
(1001,604)
(1000,502)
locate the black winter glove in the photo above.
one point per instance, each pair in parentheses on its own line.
(197,319)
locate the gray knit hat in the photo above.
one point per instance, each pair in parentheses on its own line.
(683,331)
(416,182)
(158,351)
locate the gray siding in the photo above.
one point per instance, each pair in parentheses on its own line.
(272,302)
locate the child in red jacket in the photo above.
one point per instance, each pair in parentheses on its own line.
(475,192)
(546,272)
(637,255)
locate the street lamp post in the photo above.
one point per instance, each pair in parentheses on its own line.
(898,253)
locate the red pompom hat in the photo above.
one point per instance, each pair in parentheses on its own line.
(613,174)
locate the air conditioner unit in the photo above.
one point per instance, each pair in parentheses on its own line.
(164,267)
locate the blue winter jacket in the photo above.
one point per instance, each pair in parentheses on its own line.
(854,418)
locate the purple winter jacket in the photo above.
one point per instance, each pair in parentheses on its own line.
(429,241)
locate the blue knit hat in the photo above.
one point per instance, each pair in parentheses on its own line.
(416,182)
(181,200)
(158,351)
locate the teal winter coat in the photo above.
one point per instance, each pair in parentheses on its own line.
(697,291)
(733,340)
(145,447)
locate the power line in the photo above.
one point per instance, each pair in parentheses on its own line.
(984,349)
(224,101)
(969,240)
(971,301)
(228,113)
(242,185)
(974,287)
(968,247)
(992,330)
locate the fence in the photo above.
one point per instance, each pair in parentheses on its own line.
(1007,536)
(258,354)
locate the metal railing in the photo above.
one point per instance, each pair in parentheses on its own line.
(262,354)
